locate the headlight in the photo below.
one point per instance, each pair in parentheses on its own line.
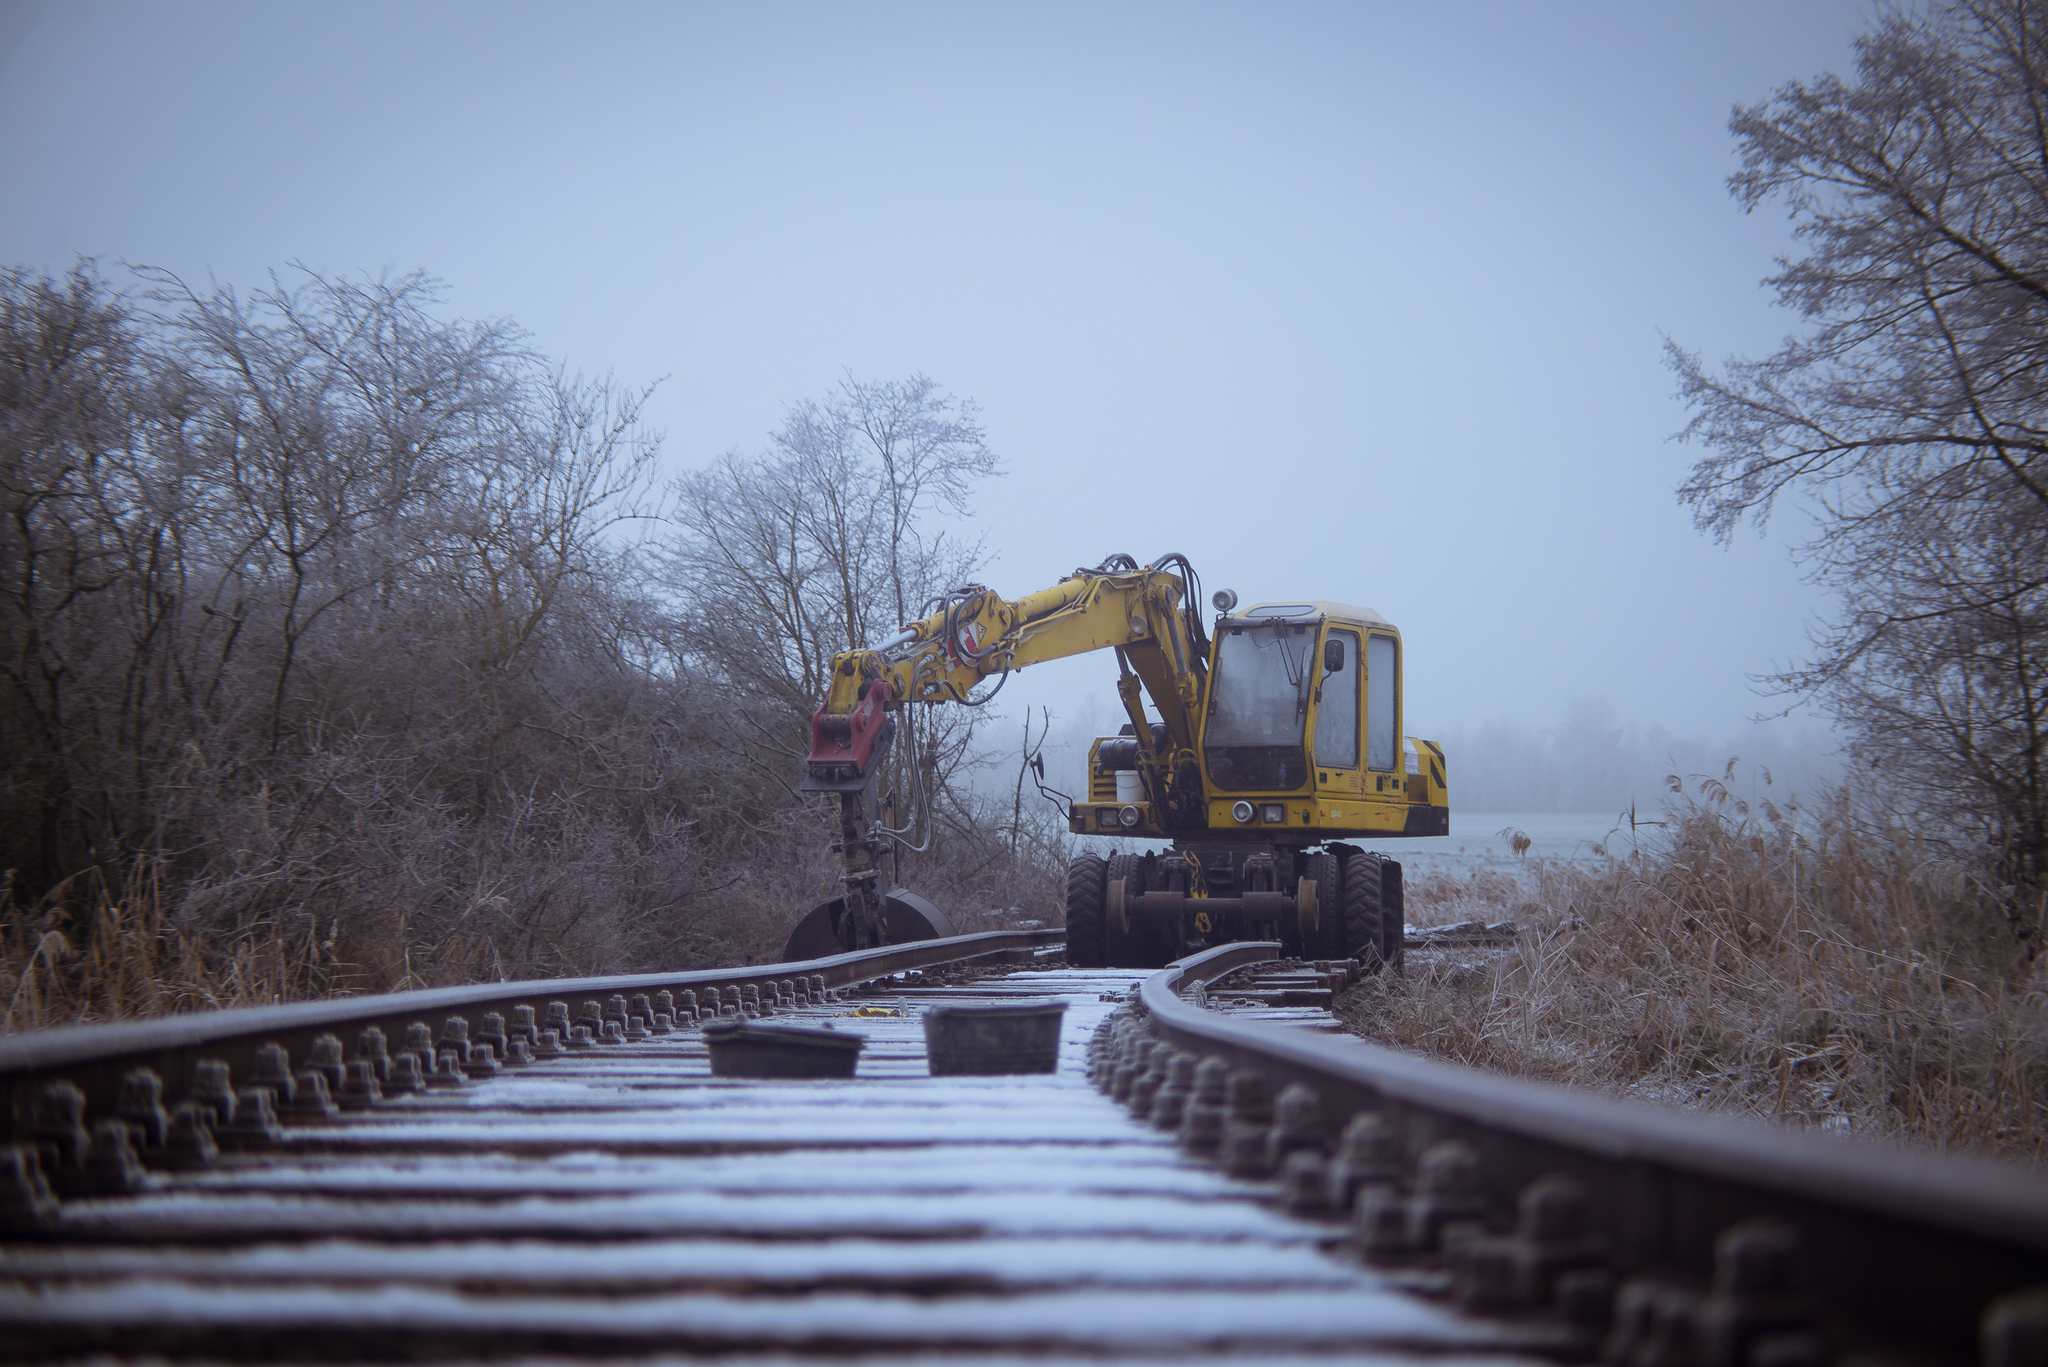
(1241,810)
(1128,816)
(1105,818)
(1273,811)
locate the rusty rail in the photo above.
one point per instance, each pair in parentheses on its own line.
(1701,1219)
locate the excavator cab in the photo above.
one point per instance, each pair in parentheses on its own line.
(1300,737)
(1300,746)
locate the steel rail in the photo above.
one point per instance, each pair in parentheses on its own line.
(1899,1245)
(1698,1239)
(631,1202)
(95,1058)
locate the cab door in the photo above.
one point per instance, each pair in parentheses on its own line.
(1340,695)
(1384,775)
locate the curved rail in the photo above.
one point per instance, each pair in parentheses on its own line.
(1897,1244)
(1681,1238)
(96,1058)
(635,1202)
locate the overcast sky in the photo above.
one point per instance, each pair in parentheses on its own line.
(1359,301)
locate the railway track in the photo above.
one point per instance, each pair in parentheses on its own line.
(1238,1184)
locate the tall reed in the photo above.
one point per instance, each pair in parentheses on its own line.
(1824,968)
(94,951)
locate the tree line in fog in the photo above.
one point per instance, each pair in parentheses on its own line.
(1593,760)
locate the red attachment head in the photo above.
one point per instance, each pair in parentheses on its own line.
(844,745)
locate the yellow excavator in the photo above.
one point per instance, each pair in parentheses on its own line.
(1272,737)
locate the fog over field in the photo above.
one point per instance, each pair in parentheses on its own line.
(1361,302)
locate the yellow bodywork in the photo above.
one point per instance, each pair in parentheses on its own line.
(979,635)
(1137,612)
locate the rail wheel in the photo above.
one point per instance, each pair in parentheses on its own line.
(1393,915)
(1121,941)
(1085,888)
(1362,923)
(828,928)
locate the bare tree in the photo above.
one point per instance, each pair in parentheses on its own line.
(933,454)
(316,605)
(67,371)
(1911,410)
(836,535)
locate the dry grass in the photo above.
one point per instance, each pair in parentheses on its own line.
(258,923)
(1813,968)
(90,952)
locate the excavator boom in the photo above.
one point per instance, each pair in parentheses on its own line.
(974,634)
(969,636)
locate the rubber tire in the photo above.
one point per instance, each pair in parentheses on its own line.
(1364,936)
(1086,886)
(1327,869)
(1393,915)
(1333,943)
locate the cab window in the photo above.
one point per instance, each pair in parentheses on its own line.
(1337,708)
(1382,712)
